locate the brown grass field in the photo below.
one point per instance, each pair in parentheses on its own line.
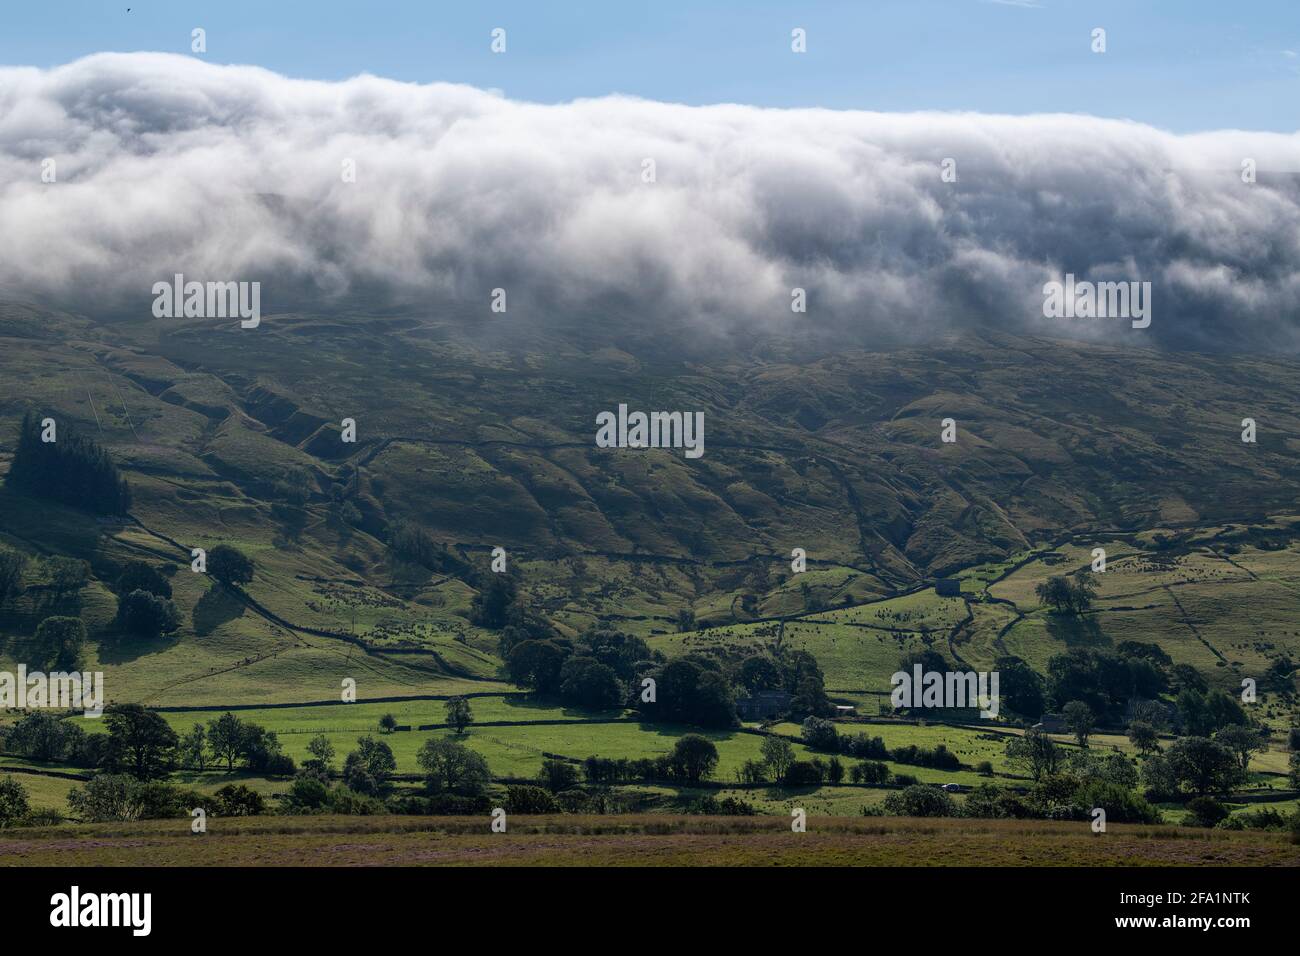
(636,841)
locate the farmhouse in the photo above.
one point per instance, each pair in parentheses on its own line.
(1052,724)
(763,704)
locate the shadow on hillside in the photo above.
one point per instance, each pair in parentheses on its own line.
(118,648)
(536,703)
(216,607)
(1077,631)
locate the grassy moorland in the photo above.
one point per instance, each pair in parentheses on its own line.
(638,841)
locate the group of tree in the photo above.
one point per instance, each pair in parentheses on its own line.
(71,469)
(12,565)
(225,740)
(122,798)
(693,758)
(1068,595)
(823,735)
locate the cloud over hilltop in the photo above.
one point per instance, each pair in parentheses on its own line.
(169,164)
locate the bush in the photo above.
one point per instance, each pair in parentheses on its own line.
(529,799)
(345,801)
(109,797)
(920,800)
(1205,812)
(870,772)
(820,734)
(558,775)
(441,805)
(13,802)
(308,792)
(1121,804)
(803,773)
(238,800)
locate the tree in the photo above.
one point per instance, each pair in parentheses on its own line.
(238,800)
(536,664)
(459,714)
(146,615)
(322,752)
(142,576)
(1056,592)
(229,565)
(820,734)
(760,672)
(778,754)
(920,800)
(366,769)
(1021,687)
(1144,737)
(687,693)
(1033,752)
(13,802)
(451,767)
(12,564)
(193,748)
(1206,812)
(1203,765)
(108,797)
(387,723)
(39,736)
(693,758)
(67,575)
(226,738)
(526,799)
(1079,718)
(139,741)
(72,470)
(685,620)
(1243,741)
(491,606)
(557,775)
(59,641)
(587,682)
(1082,591)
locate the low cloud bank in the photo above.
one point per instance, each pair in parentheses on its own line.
(167,164)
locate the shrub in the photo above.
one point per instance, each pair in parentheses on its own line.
(529,799)
(803,773)
(1205,812)
(920,800)
(1121,804)
(238,800)
(13,802)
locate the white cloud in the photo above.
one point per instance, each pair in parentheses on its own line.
(170,164)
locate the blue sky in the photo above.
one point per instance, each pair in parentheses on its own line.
(1180,64)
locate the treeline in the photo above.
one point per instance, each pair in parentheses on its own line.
(604,668)
(71,470)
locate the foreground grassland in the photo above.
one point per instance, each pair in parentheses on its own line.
(637,841)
